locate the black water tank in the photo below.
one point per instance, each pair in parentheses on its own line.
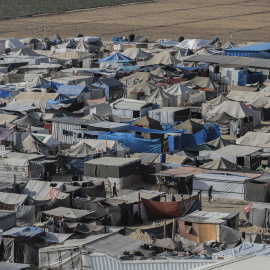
(180,39)
(131,37)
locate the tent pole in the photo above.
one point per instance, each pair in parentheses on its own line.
(164,224)
(139,204)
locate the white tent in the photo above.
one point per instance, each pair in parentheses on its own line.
(145,86)
(13,43)
(236,110)
(162,98)
(192,44)
(181,91)
(257,139)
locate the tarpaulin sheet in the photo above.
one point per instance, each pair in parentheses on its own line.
(97,101)
(244,79)
(157,210)
(5,94)
(4,133)
(190,68)
(188,140)
(135,143)
(55,85)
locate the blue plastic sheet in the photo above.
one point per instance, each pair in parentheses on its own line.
(244,79)
(188,140)
(5,94)
(77,165)
(55,85)
(136,143)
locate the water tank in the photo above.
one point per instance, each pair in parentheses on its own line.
(180,39)
(131,37)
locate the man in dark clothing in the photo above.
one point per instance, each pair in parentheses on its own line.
(114,190)
(173,198)
(210,193)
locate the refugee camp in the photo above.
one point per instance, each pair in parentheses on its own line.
(134,152)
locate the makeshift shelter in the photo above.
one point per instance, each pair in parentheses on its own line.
(192,44)
(257,139)
(223,120)
(202,226)
(13,43)
(259,214)
(73,55)
(136,54)
(147,122)
(162,99)
(167,115)
(113,87)
(37,99)
(117,170)
(238,111)
(114,61)
(258,190)
(28,121)
(82,46)
(127,108)
(145,87)
(190,125)
(182,92)
(161,73)
(26,52)
(163,58)
(140,77)
(203,83)
(37,82)
(219,164)
(209,105)
(225,186)
(56,39)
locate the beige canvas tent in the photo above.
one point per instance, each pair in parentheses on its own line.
(163,58)
(162,98)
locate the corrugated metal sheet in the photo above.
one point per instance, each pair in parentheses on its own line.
(104,261)
(231,60)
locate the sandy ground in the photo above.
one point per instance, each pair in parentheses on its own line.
(243,20)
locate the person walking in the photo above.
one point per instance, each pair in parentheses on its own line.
(114,190)
(210,193)
(41,176)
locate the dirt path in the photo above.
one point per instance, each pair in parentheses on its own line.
(245,20)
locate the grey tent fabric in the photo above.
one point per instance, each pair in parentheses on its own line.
(260,215)
(264,178)
(136,54)
(190,125)
(38,81)
(222,118)
(140,77)
(93,116)
(56,237)
(27,121)
(162,98)
(165,243)
(219,164)
(202,82)
(26,52)
(68,213)
(25,215)
(220,143)
(82,46)
(145,86)
(160,72)
(163,58)
(57,38)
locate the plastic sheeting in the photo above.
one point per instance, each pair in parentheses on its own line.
(244,79)
(188,140)
(157,210)
(224,186)
(135,143)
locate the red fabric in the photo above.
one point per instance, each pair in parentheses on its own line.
(97,101)
(159,210)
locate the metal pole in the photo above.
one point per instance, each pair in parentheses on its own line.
(164,224)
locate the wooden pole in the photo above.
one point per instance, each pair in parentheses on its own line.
(173,229)
(139,204)
(165,234)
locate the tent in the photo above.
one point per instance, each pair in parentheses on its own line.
(181,91)
(163,58)
(82,46)
(209,105)
(202,83)
(228,45)
(26,52)
(73,55)
(139,77)
(145,86)
(257,139)
(148,122)
(162,98)
(27,121)
(57,39)
(190,125)
(224,185)
(116,58)
(68,213)
(37,82)
(236,110)
(13,43)
(192,44)
(160,72)
(219,164)
(136,54)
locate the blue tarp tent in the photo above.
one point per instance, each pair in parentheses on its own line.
(116,58)
(72,90)
(188,140)
(60,99)
(244,79)
(55,85)
(136,143)
(5,94)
